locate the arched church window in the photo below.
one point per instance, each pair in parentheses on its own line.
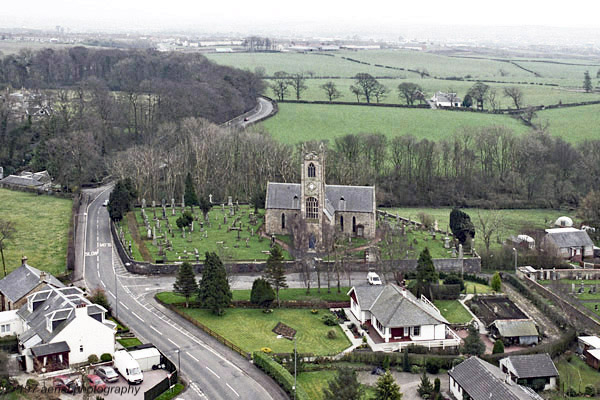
(342,223)
(282,221)
(312,208)
(353,224)
(312,171)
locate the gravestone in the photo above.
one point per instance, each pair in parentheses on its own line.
(205,234)
(446,242)
(229,201)
(172,206)
(164,212)
(143,203)
(153,204)
(158,223)
(149,233)
(435,226)
(247,239)
(192,227)
(460,251)
(223,207)
(183,232)
(224,219)
(182,203)
(231,212)
(238,235)
(130,247)
(454,252)
(163,202)
(210,198)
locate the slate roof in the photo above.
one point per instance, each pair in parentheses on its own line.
(22,280)
(356,198)
(484,381)
(442,97)
(533,366)
(394,307)
(21,181)
(568,237)
(51,348)
(515,328)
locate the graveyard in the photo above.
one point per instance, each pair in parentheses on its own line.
(585,291)
(151,233)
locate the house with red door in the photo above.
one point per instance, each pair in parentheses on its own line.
(396,318)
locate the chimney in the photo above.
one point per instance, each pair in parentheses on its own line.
(23,260)
(42,276)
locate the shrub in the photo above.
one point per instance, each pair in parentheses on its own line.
(93,359)
(386,363)
(437,385)
(432,366)
(31,384)
(262,293)
(590,390)
(498,347)
(415,369)
(329,320)
(105,357)
(454,279)
(279,373)
(331,334)
(364,339)
(571,392)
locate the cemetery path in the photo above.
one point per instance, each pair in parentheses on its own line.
(211,370)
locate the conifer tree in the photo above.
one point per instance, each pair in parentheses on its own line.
(425,387)
(587,82)
(498,347)
(185,282)
(387,388)
(426,273)
(473,345)
(275,271)
(214,292)
(262,293)
(344,387)
(190,197)
(496,282)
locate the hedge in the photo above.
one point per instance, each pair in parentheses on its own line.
(279,373)
(376,358)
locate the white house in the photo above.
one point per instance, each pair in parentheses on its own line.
(441,99)
(570,243)
(527,369)
(476,379)
(10,323)
(62,327)
(397,316)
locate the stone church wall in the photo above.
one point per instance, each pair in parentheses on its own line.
(367,220)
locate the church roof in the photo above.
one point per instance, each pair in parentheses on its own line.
(337,197)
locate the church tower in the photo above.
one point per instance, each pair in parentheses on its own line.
(313,195)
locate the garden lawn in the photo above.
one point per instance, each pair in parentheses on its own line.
(576,373)
(290,294)
(129,342)
(251,329)
(231,249)
(476,288)
(171,393)
(295,123)
(315,382)
(453,311)
(42,230)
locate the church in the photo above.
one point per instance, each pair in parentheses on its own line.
(350,210)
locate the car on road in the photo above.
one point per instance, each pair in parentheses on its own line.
(373,278)
(64,383)
(96,382)
(107,374)
(246,119)
(105,203)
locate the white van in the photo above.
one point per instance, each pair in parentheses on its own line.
(373,278)
(128,367)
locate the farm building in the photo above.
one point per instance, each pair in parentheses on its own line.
(395,315)
(522,332)
(441,99)
(311,205)
(478,380)
(534,370)
(570,243)
(592,358)
(588,343)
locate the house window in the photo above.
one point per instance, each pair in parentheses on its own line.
(312,171)
(416,331)
(342,223)
(312,208)
(5,328)
(81,349)
(282,221)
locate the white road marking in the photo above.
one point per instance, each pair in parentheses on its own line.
(137,316)
(98,271)
(193,358)
(102,282)
(213,372)
(156,330)
(232,389)
(123,304)
(111,293)
(173,342)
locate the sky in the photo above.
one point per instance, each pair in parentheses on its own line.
(319,16)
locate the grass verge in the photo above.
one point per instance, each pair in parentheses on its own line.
(453,311)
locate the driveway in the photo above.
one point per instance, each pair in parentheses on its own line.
(408,382)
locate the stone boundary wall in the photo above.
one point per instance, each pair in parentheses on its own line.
(468,265)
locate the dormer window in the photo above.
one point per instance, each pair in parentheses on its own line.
(296,203)
(312,171)
(342,204)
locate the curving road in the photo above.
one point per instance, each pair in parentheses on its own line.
(213,371)
(262,110)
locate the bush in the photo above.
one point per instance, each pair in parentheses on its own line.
(590,390)
(571,392)
(432,366)
(332,334)
(93,359)
(498,347)
(279,373)
(329,320)
(454,279)
(386,363)
(437,385)
(31,384)
(415,369)
(105,357)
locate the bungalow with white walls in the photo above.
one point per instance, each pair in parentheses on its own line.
(397,316)
(531,369)
(61,327)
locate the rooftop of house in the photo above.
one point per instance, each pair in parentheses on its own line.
(337,197)
(396,307)
(516,327)
(568,237)
(484,381)
(592,341)
(23,280)
(446,97)
(533,365)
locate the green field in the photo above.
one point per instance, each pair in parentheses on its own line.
(218,231)
(513,220)
(42,229)
(251,329)
(574,124)
(295,123)
(453,311)
(576,373)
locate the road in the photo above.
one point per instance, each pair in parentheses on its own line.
(263,109)
(212,371)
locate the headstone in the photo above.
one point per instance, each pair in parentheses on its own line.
(182,203)
(223,207)
(435,226)
(446,242)
(158,223)
(143,203)
(1,172)
(247,239)
(205,234)
(210,198)
(238,235)
(153,204)
(252,232)
(164,212)
(229,201)
(231,212)
(172,206)
(454,252)
(183,232)
(460,251)
(224,219)
(573,287)
(149,233)
(130,247)
(153,233)
(192,227)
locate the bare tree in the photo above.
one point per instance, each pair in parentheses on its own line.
(492,98)
(298,83)
(366,85)
(490,223)
(280,85)
(7,231)
(380,92)
(410,91)
(478,91)
(516,94)
(331,91)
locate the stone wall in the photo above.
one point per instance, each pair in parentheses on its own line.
(273,220)
(367,220)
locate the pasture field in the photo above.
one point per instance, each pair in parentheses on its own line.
(295,123)
(574,124)
(42,230)
(513,219)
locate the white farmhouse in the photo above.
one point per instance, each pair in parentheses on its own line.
(441,99)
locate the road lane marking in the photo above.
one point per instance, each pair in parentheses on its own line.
(98,271)
(213,372)
(137,316)
(173,342)
(111,293)
(156,330)
(102,282)
(123,304)
(194,358)
(232,389)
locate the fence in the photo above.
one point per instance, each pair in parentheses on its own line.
(166,383)
(206,329)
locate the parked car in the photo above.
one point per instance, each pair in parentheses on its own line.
(96,382)
(64,383)
(105,203)
(108,374)
(373,278)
